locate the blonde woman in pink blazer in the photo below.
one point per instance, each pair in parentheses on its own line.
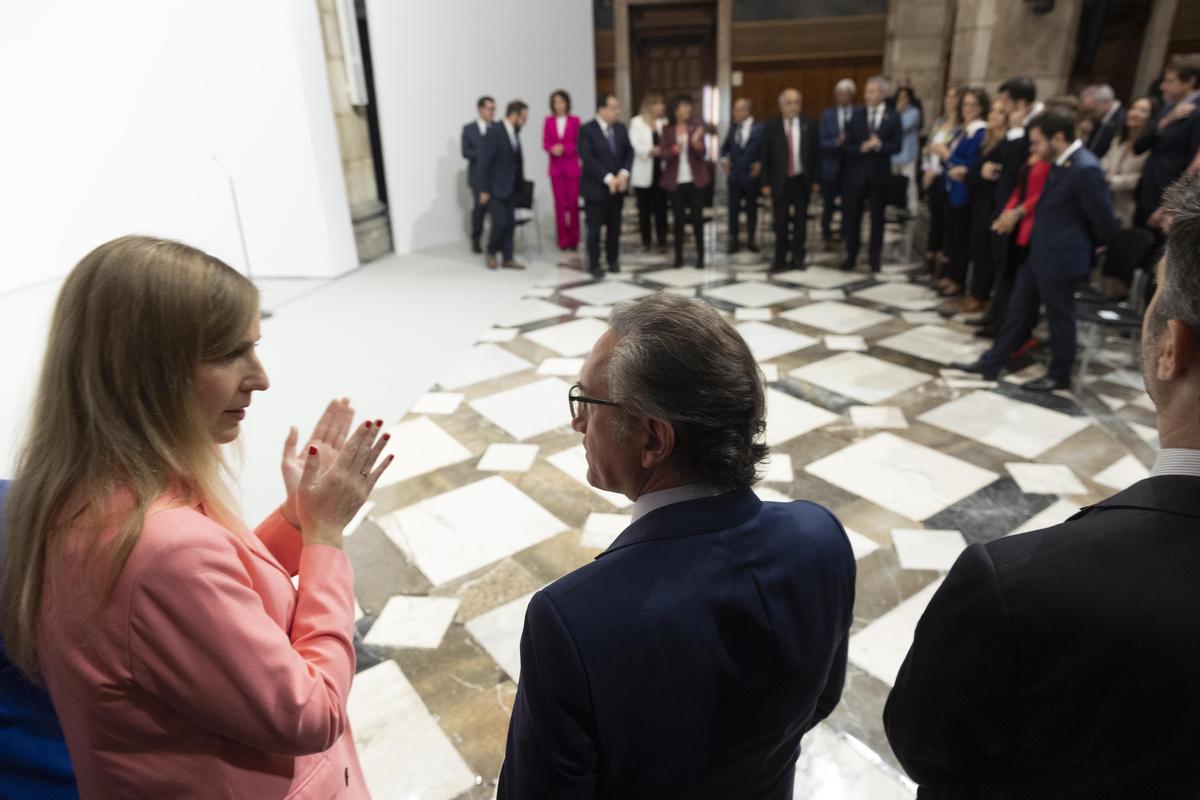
(560,136)
(181,660)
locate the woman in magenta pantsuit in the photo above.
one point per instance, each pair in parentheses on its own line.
(559,137)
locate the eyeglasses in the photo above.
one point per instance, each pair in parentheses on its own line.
(576,398)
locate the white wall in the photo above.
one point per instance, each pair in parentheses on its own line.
(432,60)
(114,112)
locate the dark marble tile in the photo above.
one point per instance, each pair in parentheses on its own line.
(990,513)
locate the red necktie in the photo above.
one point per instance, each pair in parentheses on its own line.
(791,150)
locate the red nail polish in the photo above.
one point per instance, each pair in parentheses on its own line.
(387,436)
(312,451)
(379,423)
(368,423)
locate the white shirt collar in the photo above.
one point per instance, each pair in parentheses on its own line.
(603,126)
(746,125)
(1066,154)
(666,497)
(1038,108)
(511,130)
(1177,461)
(1107,118)
(483,126)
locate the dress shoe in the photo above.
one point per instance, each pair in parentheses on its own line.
(1046,384)
(491,262)
(973,305)
(986,332)
(830,246)
(614,269)
(875,268)
(778,266)
(476,248)
(847,266)
(978,368)
(678,262)
(798,266)
(595,273)
(733,250)
(982,322)
(752,247)
(510,264)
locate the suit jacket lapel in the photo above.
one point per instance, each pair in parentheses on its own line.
(1174,494)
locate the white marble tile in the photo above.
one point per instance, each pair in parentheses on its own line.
(885,277)
(1015,427)
(597,312)
(574,338)
(682,278)
(860,377)
(826,294)
(897,269)
(925,549)
(483,362)
(1143,401)
(753,314)
(769,341)
(880,647)
(752,275)
(408,621)
(1127,378)
(527,312)
(860,544)
(818,278)
(498,335)
(937,343)
(835,766)
(419,446)
(540,291)
(789,417)
(902,476)
(1055,514)
(1045,479)
(437,403)
(770,372)
(856,344)
(835,317)
(600,529)
(1124,473)
(883,417)
(1146,433)
(778,469)
(574,463)
(403,751)
(499,633)
(753,294)
(562,367)
(528,410)
(501,457)
(456,533)
(922,317)
(560,276)
(904,296)
(1023,376)
(605,294)
(680,291)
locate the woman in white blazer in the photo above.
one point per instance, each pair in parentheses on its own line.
(645,132)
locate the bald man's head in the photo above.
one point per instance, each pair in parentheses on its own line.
(789,103)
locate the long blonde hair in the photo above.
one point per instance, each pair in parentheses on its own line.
(648,102)
(114,425)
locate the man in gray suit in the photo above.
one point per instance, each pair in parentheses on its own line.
(473,134)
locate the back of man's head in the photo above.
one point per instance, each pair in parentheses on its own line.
(1020,89)
(677,359)
(1179,293)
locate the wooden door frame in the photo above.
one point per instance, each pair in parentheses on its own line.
(622,45)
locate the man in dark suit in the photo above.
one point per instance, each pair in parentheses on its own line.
(1172,137)
(502,172)
(1102,107)
(473,134)
(690,657)
(1074,217)
(873,137)
(833,133)
(790,168)
(607,158)
(741,158)
(1062,663)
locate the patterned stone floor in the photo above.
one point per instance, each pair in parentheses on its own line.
(487,502)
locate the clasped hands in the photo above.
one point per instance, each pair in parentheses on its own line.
(870,145)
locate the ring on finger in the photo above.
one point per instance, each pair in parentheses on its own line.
(365,473)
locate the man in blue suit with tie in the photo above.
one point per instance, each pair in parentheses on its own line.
(874,136)
(832,131)
(502,173)
(1074,217)
(473,134)
(687,660)
(741,158)
(607,157)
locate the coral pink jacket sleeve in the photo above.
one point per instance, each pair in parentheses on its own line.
(201,642)
(284,541)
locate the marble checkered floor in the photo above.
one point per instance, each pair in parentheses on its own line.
(487,501)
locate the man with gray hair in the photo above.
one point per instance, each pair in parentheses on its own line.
(1100,104)
(691,656)
(874,136)
(832,131)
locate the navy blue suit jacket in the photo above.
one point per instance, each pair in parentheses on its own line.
(33,753)
(599,159)
(832,154)
(876,165)
(1074,217)
(472,148)
(501,169)
(743,156)
(1171,150)
(687,661)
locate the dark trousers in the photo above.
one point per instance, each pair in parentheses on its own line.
(958,242)
(936,197)
(790,208)
(983,247)
(1029,293)
(831,190)
(1009,256)
(743,191)
(652,203)
(504,224)
(604,214)
(478,210)
(869,192)
(688,204)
